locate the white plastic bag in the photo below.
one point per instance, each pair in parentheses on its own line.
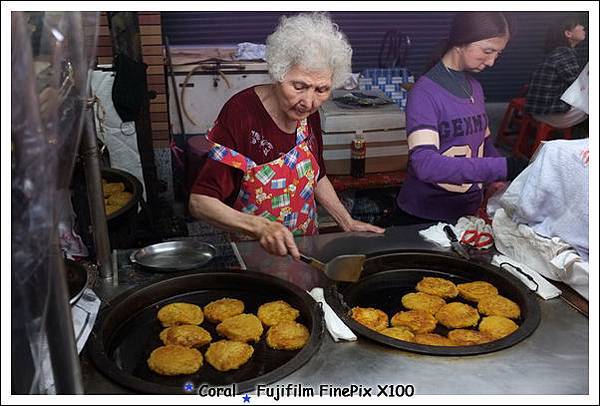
(578,94)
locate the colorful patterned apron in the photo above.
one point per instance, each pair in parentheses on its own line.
(281,190)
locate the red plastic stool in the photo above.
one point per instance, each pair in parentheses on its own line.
(512,118)
(543,132)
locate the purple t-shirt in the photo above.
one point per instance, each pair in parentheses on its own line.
(446,183)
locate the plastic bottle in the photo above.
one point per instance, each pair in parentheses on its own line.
(358,155)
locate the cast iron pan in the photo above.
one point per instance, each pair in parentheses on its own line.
(132,185)
(387,277)
(77,278)
(127,331)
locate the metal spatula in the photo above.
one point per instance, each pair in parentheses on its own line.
(343,268)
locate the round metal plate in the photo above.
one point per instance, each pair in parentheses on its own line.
(127,331)
(174,255)
(386,278)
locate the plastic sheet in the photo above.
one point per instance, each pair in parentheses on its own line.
(51,55)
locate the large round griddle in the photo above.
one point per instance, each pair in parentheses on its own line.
(127,331)
(389,276)
(132,185)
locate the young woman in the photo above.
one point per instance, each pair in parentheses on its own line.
(451,156)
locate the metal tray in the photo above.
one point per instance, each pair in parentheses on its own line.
(127,331)
(174,255)
(389,276)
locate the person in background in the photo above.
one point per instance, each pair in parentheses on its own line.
(265,169)
(451,156)
(555,74)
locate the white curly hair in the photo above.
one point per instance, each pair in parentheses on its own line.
(310,40)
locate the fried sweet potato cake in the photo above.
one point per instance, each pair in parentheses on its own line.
(370,317)
(399,333)
(275,312)
(243,327)
(457,315)
(226,355)
(499,306)
(417,321)
(175,360)
(287,335)
(438,287)
(475,291)
(186,335)
(433,339)
(422,301)
(497,326)
(180,313)
(219,310)
(469,337)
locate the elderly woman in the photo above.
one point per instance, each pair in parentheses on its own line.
(265,167)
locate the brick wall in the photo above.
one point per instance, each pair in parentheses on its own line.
(153,56)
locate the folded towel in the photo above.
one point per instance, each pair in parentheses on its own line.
(336,327)
(539,284)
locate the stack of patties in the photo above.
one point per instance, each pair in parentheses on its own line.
(284,333)
(238,327)
(181,337)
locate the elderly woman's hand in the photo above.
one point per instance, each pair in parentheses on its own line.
(276,239)
(355,225)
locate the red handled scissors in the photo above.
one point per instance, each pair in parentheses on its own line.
(477,239)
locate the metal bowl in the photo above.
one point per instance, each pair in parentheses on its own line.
(132,185)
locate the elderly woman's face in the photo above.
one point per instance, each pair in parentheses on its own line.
(302,91)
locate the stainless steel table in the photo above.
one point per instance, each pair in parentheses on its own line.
(553,360)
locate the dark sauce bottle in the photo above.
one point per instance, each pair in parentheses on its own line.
(358,155)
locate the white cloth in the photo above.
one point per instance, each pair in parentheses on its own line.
(552,194)
(336,327)
(250,51)
(120,138)
(437,234)
(578,94)
(550,257)
(544,289)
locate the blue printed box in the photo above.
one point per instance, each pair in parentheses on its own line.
(389,80)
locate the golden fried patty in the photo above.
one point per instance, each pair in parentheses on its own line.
(497,326)
(180,313)
(186,335)
(119,199)
(475,291)
(422,301)
(399,333)
(499,306)
(287,335)
(469,337)
(225,355)
(243,327)
(218,310)
(457,315)
(274,312)
(438,287)
(175,360)
(110,188)
(417,321)
(370,317)
(433,339)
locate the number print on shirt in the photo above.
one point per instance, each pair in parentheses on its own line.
(463,151)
